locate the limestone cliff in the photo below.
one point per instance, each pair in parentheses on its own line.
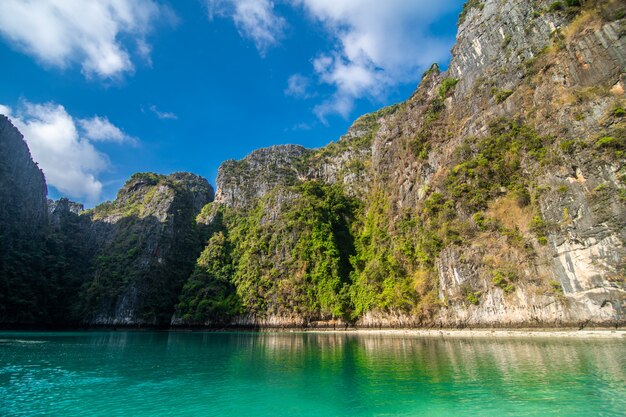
(494,196)
(562,71)
(121,263)
(241,182)
(23,221)
(145,244)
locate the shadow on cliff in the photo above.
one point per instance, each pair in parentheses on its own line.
(139,265)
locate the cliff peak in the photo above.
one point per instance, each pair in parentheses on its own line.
(239,183)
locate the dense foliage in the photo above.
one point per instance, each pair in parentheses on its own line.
(290,261)
(41,269)
(209,296)
(309,251)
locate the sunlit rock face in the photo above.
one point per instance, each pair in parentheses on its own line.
(544,246)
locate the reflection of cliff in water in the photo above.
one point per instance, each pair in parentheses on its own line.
(439,359)
(204,373)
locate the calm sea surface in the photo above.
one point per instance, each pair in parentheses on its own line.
(269,374)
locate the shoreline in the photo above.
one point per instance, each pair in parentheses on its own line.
(450,333)
(487,333)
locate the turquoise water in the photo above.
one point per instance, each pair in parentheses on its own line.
(268,374)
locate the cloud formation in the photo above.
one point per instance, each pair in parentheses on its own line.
(379,45)
(99,129)
(163,115)
(298,86)
(254,19)
(63,148)
(60,33)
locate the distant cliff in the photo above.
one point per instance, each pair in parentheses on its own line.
(121,263)
(146,242)
(42,253)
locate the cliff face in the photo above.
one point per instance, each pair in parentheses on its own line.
(561,72)
(494,196)
(22,180)
(242,182)
(23,221)
(145,243)
(123,262)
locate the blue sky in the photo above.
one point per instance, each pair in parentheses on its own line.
(103,89)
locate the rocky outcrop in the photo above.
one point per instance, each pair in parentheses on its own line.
(23,223)
(240,183)
(146,243)
(57,209)
(23,185)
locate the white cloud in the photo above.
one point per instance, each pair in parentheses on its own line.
(379,45)
(298,86)
(303,126)
(6,110)
(63,32)
(254,19)
(64,151)
(99,129)
(163,115)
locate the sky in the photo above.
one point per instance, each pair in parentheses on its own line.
(102,89)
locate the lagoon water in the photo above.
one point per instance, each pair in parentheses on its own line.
(327,374)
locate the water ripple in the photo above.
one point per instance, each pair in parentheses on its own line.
(187,374)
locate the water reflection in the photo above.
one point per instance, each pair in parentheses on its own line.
(307,374)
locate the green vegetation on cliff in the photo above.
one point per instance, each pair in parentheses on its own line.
(149,241)
(290,257)
(209,294)
(309,251)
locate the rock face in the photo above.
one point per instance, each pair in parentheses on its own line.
(494,196)
(58,209)
(122,263)
(241,182)
(146,242)
(23,182)
(23,222)
(563,73)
